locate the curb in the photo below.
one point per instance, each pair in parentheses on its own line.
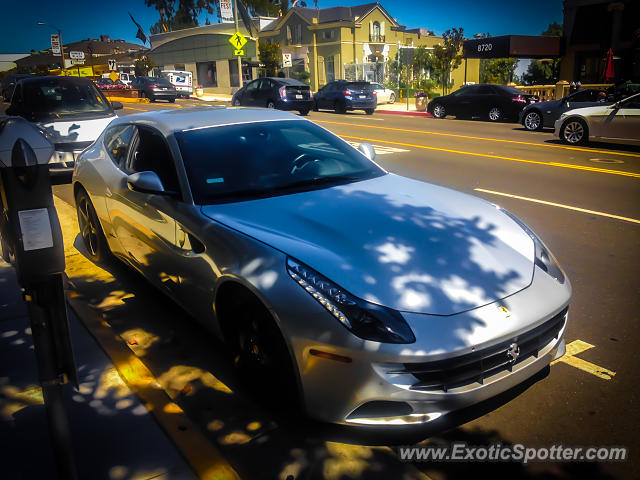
(400,112)
(128,100)
(214,99)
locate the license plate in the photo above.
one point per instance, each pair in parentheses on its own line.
(363,96)
(299,96)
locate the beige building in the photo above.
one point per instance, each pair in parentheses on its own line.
(350,42)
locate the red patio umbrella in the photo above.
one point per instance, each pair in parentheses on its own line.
(608,66)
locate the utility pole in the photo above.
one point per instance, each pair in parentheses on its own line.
(235,18)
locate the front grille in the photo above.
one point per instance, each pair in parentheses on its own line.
(71,146)
(477,366)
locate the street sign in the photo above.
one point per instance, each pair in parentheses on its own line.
(114,76)
(239,52)
(237,40)
(112,64)
(286,60)
(55,45)
(75,61)
(226,11)
(76,55)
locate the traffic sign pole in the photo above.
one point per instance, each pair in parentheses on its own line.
(235,18)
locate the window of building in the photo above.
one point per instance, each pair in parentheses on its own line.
(328,34)
(180,67)
(329,69)
(207,74)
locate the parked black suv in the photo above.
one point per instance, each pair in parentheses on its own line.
(491,102)
(342,95)
(280,93)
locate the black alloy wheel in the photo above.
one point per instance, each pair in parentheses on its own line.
(90,229)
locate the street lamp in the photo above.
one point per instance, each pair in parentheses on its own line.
(59,39)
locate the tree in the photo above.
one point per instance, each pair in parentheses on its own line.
(498,70)
(269,56)
(179,14)
(447,56)
(545,72)
(143,65)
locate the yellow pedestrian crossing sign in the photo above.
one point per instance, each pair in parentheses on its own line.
(239,52)
(237,40)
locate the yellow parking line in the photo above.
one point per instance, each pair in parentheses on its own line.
(138,109)
(560,205)
(566,147)
(576,347)
(485,155)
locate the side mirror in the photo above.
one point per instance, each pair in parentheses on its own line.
(146,182)
(367,150)
(116,105)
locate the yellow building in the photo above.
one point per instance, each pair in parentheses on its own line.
(350,42)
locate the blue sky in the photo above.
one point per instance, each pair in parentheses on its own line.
(83,19)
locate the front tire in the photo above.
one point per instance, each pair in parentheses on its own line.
(495,114)
(574,132)
(236,102)
(305,112)
(90,229)
(339,107)
(271,105)
(439,111)
(172,100)
(532,121)
(392,98)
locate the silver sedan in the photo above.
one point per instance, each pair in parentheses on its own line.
(370,297)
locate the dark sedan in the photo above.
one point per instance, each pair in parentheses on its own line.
(280,93)
(342,95)
(491,102)
(544,114)
(155,88)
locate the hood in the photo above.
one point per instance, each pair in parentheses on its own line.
(81,130)
(405,244)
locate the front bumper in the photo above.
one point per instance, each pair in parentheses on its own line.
(356,387)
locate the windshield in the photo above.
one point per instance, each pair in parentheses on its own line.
(359,86)
(54,99)
(245,161)
(159,81)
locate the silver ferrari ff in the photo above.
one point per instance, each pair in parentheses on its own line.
(378,299)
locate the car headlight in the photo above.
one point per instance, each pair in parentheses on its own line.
(364,319)
(544,259)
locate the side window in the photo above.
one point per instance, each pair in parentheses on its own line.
(484,90)
(462,91)
(253,85)
(584,96)
(266,84)
(117,141)
(151,153)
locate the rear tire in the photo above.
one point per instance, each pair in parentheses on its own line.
(369,111)
(495,114)
(172,100)
(339,107)
(532,121)
(271,105)
(574,132)
(90,229)
(439,111)
(392,98)
(304,113)
(315,106)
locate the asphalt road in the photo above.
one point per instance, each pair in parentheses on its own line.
(584,202)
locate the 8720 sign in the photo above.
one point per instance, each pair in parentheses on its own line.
(485,47)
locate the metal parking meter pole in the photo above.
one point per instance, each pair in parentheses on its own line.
(32,242)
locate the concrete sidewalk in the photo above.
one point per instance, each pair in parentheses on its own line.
(113,434)
(400,108)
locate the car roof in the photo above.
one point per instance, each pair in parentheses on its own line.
(56,80)
(182,119)
(286,81)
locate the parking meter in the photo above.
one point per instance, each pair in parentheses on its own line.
(31,240)
(31,233)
